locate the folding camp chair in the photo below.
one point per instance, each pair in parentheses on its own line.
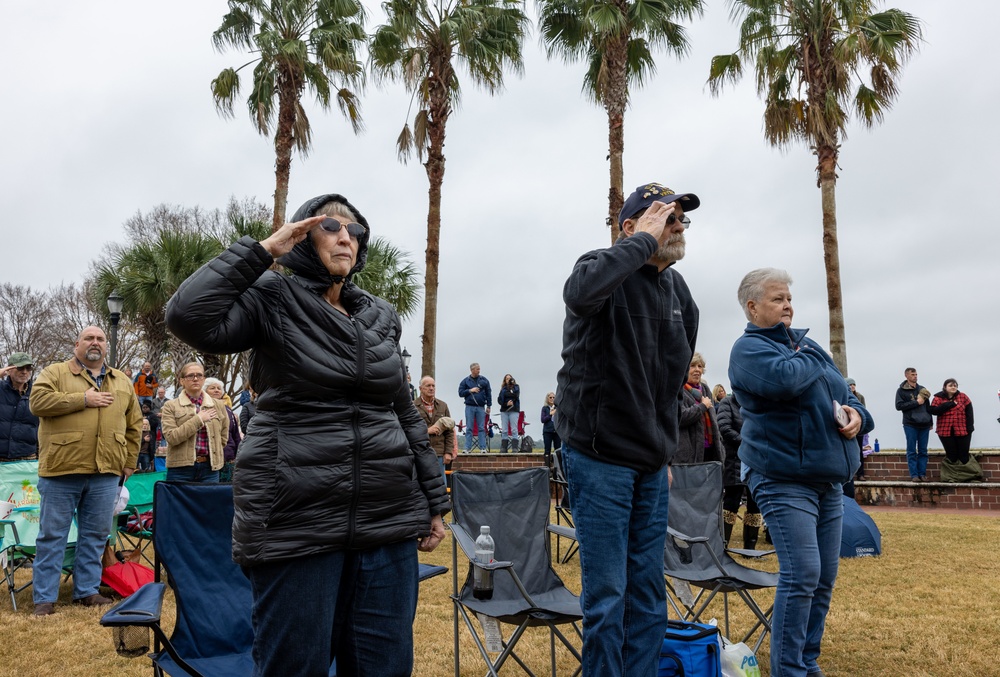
(564,527)
(527,592)
(192,542)
(212,636)
(19,483)
(132,533)
(696,551)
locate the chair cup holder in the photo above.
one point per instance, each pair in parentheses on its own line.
(131,641)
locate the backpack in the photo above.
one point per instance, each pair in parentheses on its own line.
(690,650)
(527,444)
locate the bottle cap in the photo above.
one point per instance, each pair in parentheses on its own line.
(484,530)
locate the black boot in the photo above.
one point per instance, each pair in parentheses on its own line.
(729,518)
(503,446)
(752,522)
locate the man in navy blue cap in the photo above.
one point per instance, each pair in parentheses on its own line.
(628,338)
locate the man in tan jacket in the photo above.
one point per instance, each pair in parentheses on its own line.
(88,437)
(440,424)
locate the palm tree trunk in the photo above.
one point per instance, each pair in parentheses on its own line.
(283,140)
(615,97)
(439,110)
(831,254)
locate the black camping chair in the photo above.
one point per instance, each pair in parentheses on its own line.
(696,551)
(527,591)
(564,527)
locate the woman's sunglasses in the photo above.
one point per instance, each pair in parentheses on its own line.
(355,230)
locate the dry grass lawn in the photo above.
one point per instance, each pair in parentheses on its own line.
(927,608)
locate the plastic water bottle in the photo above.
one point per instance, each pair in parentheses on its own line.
(876,445)
(482,587)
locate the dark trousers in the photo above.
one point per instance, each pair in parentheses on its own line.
(357,605)
(732,496)
(956,447)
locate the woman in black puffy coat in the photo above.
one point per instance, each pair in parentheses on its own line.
(730,427)
(336,486)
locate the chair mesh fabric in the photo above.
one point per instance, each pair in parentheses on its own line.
(695,510)
(193,542)
(515,505)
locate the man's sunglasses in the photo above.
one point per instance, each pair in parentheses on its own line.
(355,230)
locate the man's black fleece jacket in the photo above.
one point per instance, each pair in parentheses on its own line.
(627,343)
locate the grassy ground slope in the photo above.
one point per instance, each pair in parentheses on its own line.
(927,607)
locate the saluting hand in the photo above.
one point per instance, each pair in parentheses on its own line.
(289,235)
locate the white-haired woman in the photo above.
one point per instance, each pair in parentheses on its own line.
(217,390)
(796,455)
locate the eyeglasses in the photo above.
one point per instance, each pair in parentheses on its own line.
(685,221)
(29,367)
(355,230)
(193,376)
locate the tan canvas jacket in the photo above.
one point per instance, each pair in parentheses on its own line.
(439,443)
(76,439)
(180,423)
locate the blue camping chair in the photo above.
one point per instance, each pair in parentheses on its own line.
(192,542)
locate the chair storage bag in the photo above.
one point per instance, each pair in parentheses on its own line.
(690,650)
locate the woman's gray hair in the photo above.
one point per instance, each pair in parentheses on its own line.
(754,282)
(334,208)
(214,382)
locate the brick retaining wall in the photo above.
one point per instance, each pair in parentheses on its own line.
(887,480)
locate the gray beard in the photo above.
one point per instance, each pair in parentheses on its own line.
(94,355)
(671,251)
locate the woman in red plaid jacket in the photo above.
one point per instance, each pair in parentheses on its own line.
(954,421)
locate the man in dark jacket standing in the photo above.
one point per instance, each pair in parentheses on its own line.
(478,396)
(18,426)
(917,423)
(628,338)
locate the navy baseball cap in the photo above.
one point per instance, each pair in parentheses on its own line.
(647,194)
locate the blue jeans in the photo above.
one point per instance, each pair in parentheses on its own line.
(804,521)
(621,526)
(92,498)
(477,415)
(357,606)
(508,419)
(199,472)
(916,450)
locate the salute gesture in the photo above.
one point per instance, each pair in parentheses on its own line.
(285,238)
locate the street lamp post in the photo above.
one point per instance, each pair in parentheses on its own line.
(115,305)
(406,360)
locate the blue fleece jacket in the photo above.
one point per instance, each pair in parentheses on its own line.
(786,384)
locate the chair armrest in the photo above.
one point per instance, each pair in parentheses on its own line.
(684,537)
(560,530)
(141,608)
(756,554)
(464,540)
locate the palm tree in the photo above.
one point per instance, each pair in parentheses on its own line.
(810,58)
(390,276)
(297,44)
(147,274)
(617,39)
(418,46)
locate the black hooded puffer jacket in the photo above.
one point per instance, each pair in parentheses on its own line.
(336,456)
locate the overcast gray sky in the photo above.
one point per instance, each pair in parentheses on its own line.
(107,111)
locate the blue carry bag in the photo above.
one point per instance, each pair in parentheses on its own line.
(690,650)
